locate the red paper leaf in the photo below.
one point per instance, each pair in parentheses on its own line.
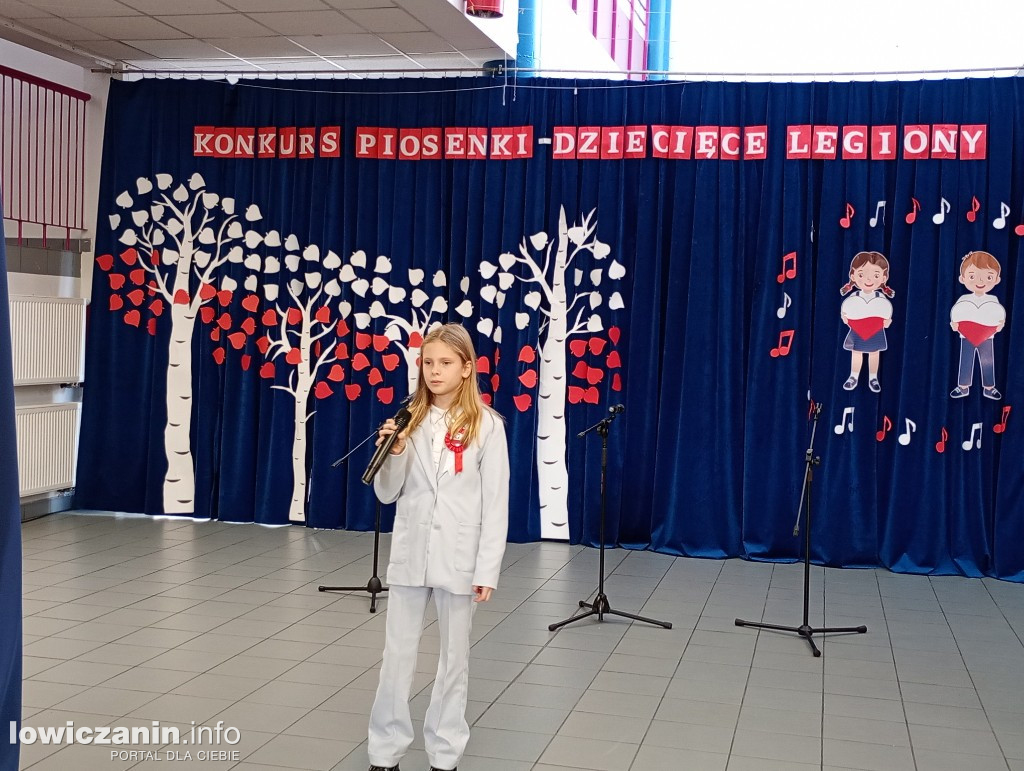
(363,340)
(129,255)
(352,391)
(269,318)
(380,342)
(294,316)
(390,361)
(578,347)
(522,402)
(116,302)
(616,382)
(151,326)
(105,261)
(138,276)
(360,362)
(224,321)
(116,280)
(527,354)
(207,292)
(267,370)
(386,395)
(337,373)
(341,352)
(157,306)
(374,377)
(529,378)
(237,340)
(132,318)
(486,399)
(591,396)
(136,296)
(322,390)
(263,344)
(575,394)
(181,297)
(483,365)
(294,356)
(580,370)
(613,361)
(154,258)
(249,325)
(251,303)
(218,355)
(497,356)
(495,380)
(613,334)
(206,313)
(595,375)
(224,298)
(317,349)
(415,340)
(215,334)
(323,315)
(342,329)
(246,361)
(597,345)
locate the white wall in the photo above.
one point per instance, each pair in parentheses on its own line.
(825,36)
(567,43)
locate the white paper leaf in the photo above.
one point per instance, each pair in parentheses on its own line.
(124,200)
(291,243)
(295,286)
(158,237)
(253,261)
(595,300)
(464,309)
(601,250)
(128,238)
(235,254)
(332,288)
(347,274)
(272,238)
(396,294)
(377,309)
(497,335)
(196,181)
(359,286)
(539,240)
(488,269)
(532,300)
(383,265)
(595,276)
(379,286)
(228,284)
(235,229)
(500,301)
(251,283)
(291,261)
(344,308)
(169,256)
(270,291)
(140,217)
(522,320)
(440,305)
(616,270)
(115,220)
(362,320)
(485,327)
(505,281)
(440,279)
(210,200)
(312,280)
(271,265)
(594,324)
(419,297)
(506,261)
(253,239)
(577,234)
(615,302)
(311,253)
(253,213)
(164,181)
(228,205)
(358,259)
(174,227)
(143,185)
(577,277)
(180,194)
(488,293)
(464,284)
(157,211)
(416,276)
(332,261)
(392,332)
(201,258)
(207,236)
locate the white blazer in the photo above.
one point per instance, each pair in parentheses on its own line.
(450,529)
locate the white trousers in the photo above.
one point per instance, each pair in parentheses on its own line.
(445,730)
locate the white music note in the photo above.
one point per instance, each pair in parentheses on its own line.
(944,207)
(1000,222)
(975,429)
(880,206)
(843,421)
(786,302)
(905,436)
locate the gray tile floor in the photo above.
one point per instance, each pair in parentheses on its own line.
(130,620)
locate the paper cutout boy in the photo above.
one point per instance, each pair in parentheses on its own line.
(977,316)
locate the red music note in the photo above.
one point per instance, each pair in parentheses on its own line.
(1000,427)
(787,272)
(850,211)
(785,343)
(940,446)
(975,208)
(1019,230)
(912,214)
(886,426)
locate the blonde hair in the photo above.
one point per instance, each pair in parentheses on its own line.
(467,407)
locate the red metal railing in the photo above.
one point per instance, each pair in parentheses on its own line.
(42,159)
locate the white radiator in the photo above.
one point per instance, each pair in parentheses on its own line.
(47,339)
(47,447)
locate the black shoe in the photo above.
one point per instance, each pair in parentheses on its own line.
(874,386)
(991,393)
(850,384)
(384,768)
(435,768)
(960,392)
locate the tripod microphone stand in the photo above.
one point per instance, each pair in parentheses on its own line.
(373,586)
(805,630)
(600,607)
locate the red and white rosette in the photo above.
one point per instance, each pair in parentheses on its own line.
(866,315)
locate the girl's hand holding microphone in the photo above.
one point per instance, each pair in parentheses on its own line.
(386,430)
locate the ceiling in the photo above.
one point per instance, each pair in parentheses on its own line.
(251,36)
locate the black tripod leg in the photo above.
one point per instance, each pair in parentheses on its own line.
(666,624)
(571,620)
(840,629)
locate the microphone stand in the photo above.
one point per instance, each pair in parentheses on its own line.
(805,630)
(373,586)
(600,607)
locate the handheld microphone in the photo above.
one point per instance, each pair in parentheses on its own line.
(401,419)
(616,409)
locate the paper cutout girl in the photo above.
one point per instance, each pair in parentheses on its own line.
(977,316)
(868,313)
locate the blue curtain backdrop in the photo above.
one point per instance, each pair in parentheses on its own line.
(10,540)
(712,347)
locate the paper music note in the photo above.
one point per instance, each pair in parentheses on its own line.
(879,207)
(972,215)
(1000,427)
(850,211)
(940,446)
(1000,222)
(785,343)
(786,302)
(788,267)
(886,427)
(939,217)
(1019,230)
(843,423)
(975,429)
(912,214)
(905,436)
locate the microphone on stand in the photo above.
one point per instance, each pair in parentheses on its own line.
(617,409)
(401,419)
